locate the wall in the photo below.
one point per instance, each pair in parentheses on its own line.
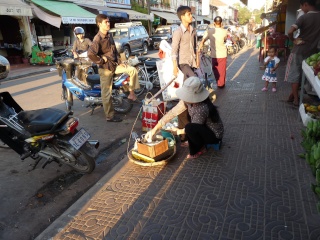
(292,7)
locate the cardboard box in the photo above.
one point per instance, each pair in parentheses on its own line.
(160,157)
(153,151)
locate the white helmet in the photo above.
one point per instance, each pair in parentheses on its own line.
(78,30)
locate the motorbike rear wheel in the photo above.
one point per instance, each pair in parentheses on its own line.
(79,160)
(121,105)
(67,97)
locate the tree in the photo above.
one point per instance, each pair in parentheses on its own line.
(244,13)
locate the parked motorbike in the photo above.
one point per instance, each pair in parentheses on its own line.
(86,87)
(48,133)
(58,54)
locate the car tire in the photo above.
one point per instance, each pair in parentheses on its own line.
(127,52)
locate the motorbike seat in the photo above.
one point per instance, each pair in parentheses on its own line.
(59,51)
(93,79)
(152,62)
(42,120)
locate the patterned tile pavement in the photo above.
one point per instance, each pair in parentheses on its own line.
(255,187)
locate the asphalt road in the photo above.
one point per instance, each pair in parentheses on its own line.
(31,200)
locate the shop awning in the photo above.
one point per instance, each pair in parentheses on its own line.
(245,2)
(14,8)
(134,15)
(116,12)
(70,13)
(48,18)
(202,18)
(217,3)
(170,17)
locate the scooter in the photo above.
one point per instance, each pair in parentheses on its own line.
(47,133)
(87,87)
(58,54)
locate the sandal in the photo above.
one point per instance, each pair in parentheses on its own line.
(184,144)
(198,154)
(194,156)
(114,119)
(134,101)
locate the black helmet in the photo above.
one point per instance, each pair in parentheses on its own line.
(78,30)
(217,19)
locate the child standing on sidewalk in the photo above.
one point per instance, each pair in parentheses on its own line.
(270,63)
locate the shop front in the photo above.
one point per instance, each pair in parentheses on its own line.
(56,20)
(117,15)
(167,17)
(14,30)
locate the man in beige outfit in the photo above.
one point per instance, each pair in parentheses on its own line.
(217,37)
(103,52)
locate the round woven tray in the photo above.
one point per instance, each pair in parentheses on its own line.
(157,163)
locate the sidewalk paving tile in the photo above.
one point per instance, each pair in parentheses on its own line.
(255,187)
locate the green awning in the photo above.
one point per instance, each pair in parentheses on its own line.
(70,13)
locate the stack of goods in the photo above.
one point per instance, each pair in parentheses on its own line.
(314,62)
(311,145)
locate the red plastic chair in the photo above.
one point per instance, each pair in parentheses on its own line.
(281,42)
(270,41)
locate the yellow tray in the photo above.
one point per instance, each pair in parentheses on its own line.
(148,161)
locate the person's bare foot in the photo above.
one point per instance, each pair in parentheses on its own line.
(132,97)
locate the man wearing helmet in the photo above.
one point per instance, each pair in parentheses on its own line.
(81,44)
(217,37)
(104,53)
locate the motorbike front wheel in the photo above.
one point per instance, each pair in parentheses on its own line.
(79,160)
(67,97)
(121,105)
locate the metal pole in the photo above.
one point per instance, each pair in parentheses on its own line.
(149,21)
(265,33)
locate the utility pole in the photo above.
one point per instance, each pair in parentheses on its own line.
(265,32)
(149,21)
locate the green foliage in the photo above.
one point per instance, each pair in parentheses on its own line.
(136,7)
(311,144)
(244,13)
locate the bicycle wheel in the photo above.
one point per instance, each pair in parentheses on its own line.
(142,81)
(155,79)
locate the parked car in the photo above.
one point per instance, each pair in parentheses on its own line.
(201,28)
(163,32)
(4,67)
(130,37)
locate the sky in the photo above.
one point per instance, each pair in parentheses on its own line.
(252,4)
(255,4)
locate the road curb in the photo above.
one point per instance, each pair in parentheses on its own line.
(71,213)
(26,75)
